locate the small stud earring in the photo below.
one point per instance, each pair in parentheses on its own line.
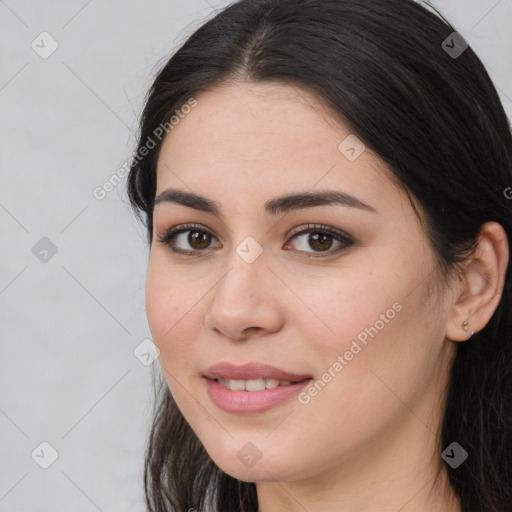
(465,324)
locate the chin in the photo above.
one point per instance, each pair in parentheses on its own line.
(260,472)
(245,462)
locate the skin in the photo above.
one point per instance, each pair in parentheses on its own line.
(370,439)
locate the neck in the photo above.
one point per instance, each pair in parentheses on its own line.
(293,497)
(395,473)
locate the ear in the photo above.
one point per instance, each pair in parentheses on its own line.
(481,286)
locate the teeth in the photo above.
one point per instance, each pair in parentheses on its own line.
(253,384)
(271,383)
(237,385)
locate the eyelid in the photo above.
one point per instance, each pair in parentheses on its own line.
(343,238)
(305,228)
(171,233)
(340,236)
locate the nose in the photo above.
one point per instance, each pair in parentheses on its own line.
(245,301)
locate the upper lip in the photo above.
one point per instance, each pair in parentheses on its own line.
(250,371)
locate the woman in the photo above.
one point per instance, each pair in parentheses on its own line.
(324,186)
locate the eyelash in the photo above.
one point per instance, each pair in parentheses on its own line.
(169,236)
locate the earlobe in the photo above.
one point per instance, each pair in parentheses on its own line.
(465,325)
(481,288)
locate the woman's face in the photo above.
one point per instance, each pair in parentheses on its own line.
(347,304)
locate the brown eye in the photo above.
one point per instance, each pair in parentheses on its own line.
(192,240)
(319,239)
(199,239)
(187,239)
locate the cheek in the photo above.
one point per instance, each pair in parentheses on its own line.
(366,337)
(169,315)
(340,307)
(362,326)
(169,308)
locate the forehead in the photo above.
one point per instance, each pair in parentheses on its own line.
(236,116)
(262,140)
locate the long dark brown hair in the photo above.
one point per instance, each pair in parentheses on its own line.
(435,118)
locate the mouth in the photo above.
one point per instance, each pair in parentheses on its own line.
(251,388)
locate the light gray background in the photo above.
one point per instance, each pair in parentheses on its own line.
(69,326)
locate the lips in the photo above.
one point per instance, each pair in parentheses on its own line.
(252,388)
(251,371)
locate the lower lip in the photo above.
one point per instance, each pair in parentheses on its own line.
(251,401)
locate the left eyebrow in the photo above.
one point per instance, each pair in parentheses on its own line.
(281,204)
(308,199)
